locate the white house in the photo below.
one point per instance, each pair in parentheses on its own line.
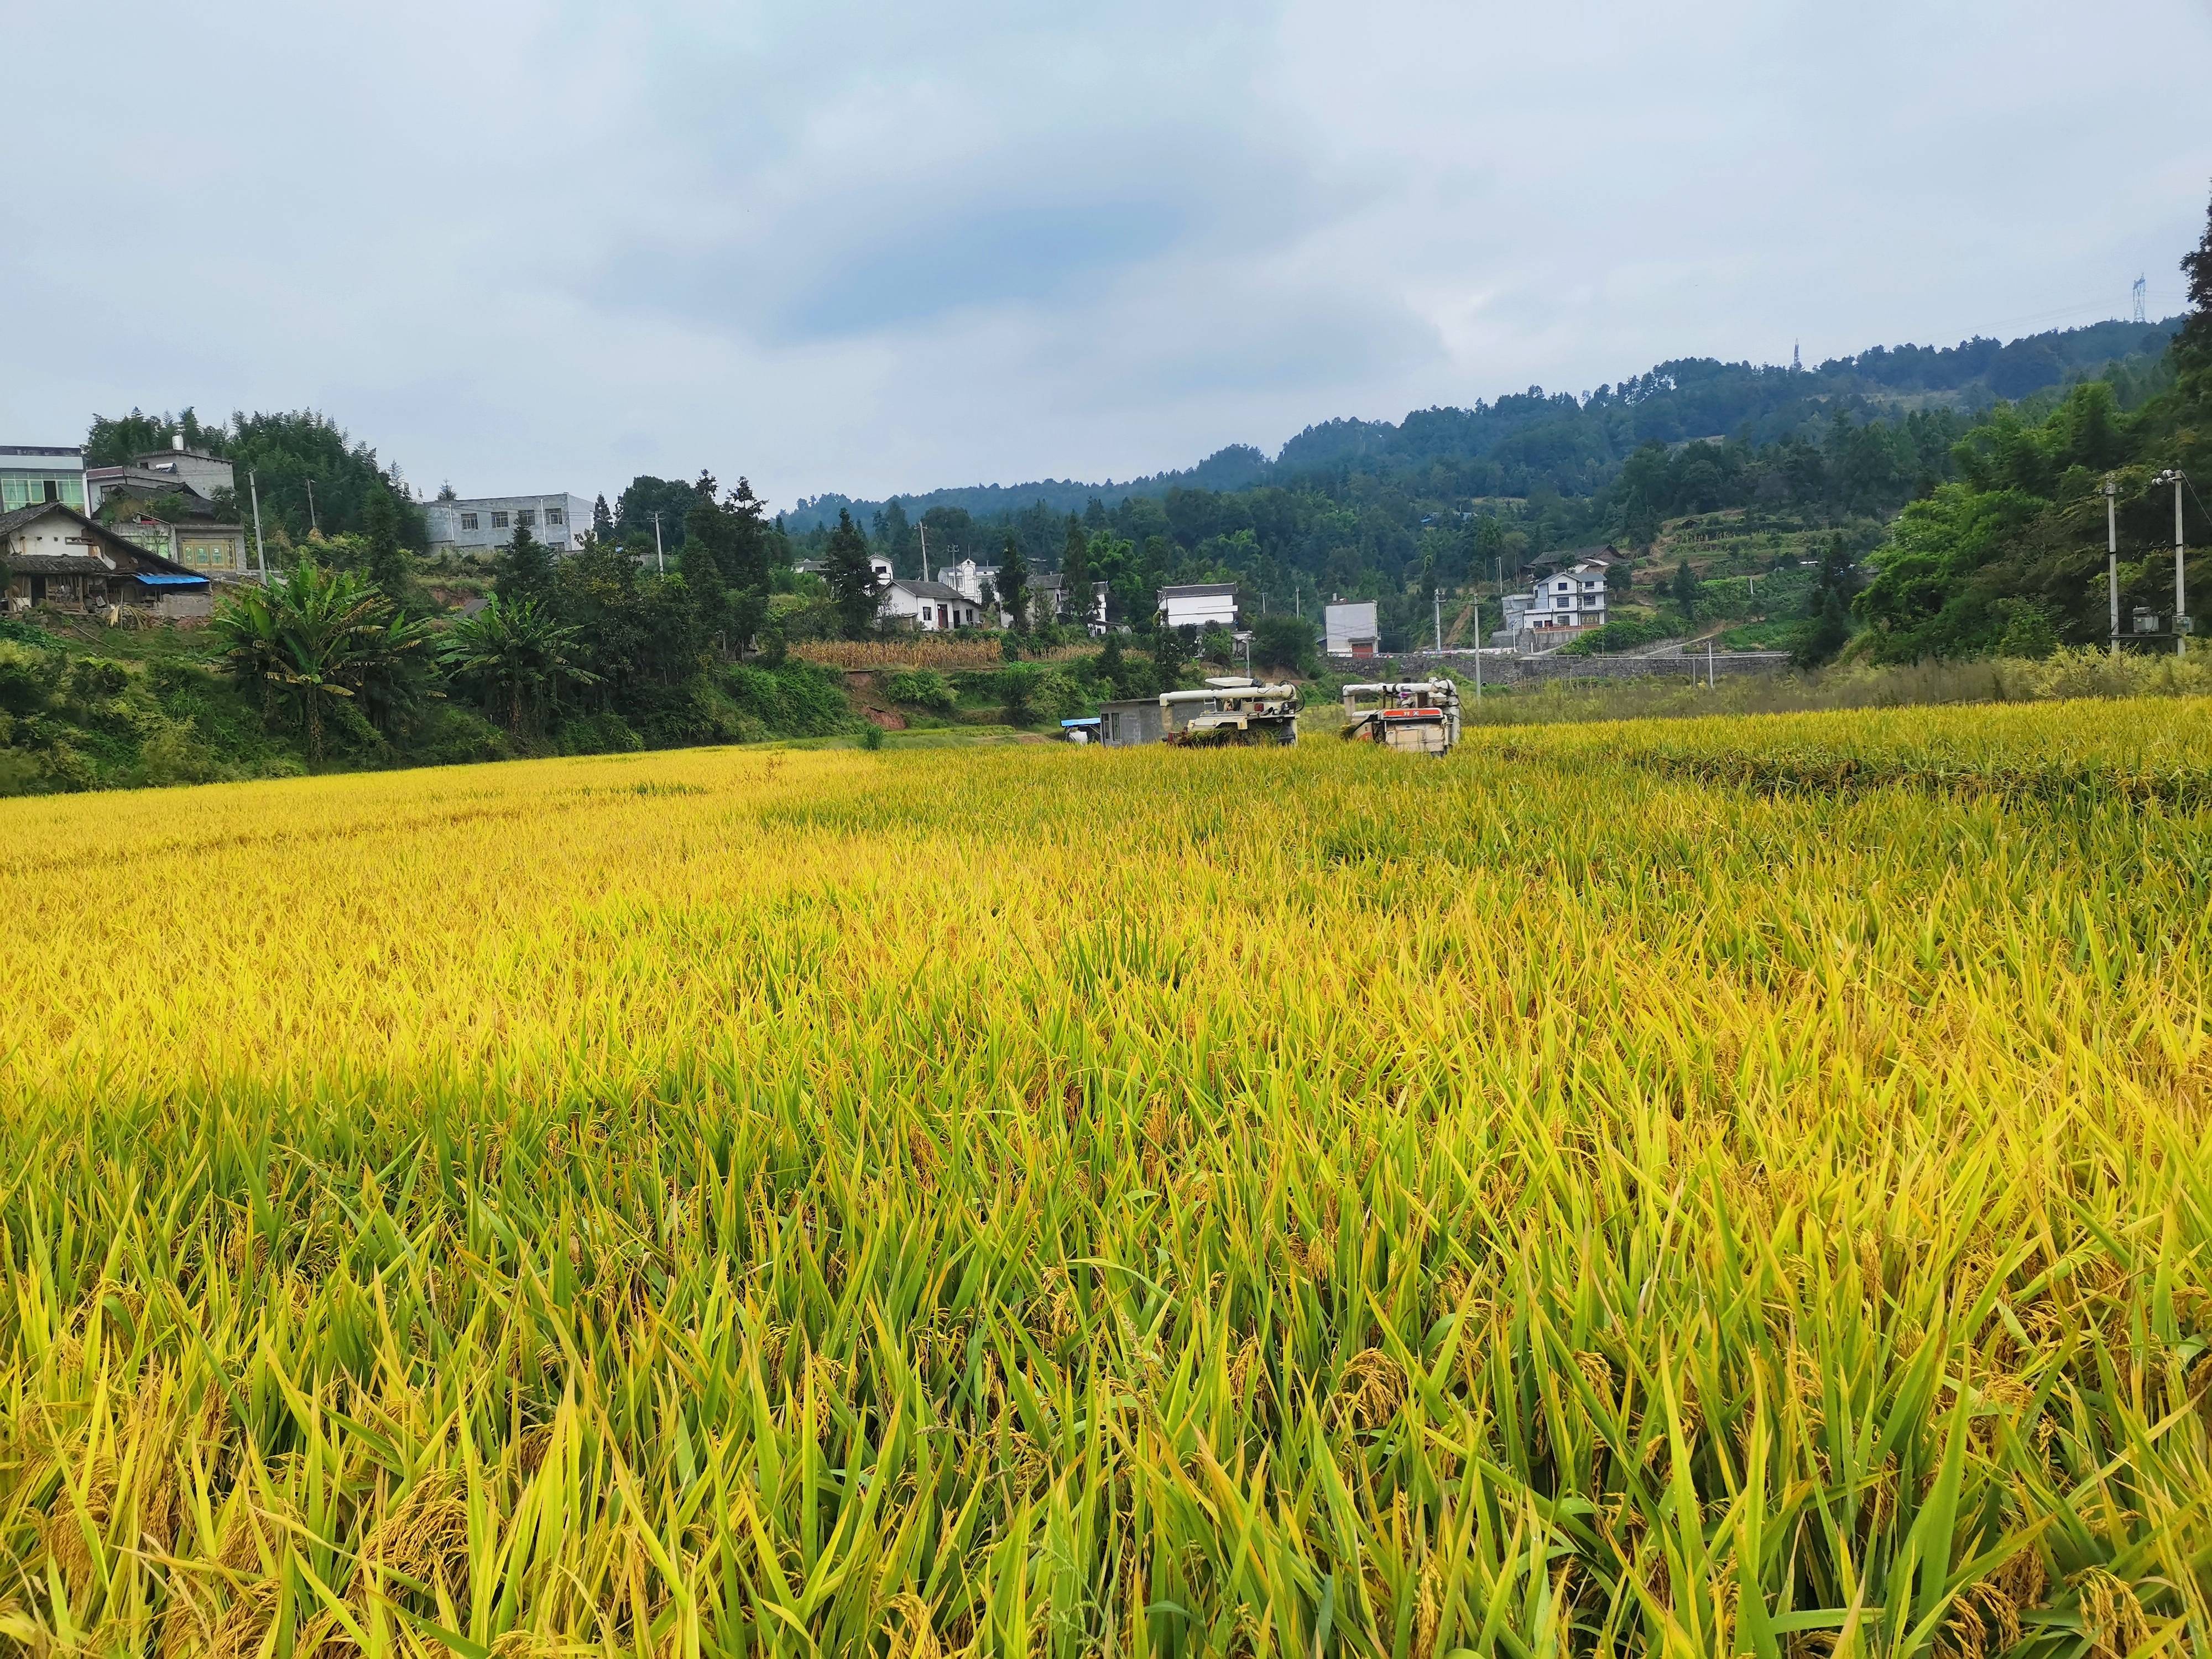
(933,607)
(967,578)
(1198,605)
(1571,594)
(484,524)
(1350,630)
(876,563)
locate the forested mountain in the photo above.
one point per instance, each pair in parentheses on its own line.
(1460,501)
(1532,441)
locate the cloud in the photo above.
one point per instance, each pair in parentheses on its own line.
(870,248)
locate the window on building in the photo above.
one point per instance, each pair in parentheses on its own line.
(468,521)
(554,518)
(527,518)
(499,521)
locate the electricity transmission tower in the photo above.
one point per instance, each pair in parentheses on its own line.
(2140,316)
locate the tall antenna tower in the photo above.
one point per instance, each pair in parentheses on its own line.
(2140,317)
(1797,358)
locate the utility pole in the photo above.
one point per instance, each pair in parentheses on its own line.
(1478,651)
(659,558)
(313,528)
(2177,478)
(924,529)
(1436,600)
(2113,555)
(260,548)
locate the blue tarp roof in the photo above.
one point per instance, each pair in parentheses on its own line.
(1093,721)
(155,579)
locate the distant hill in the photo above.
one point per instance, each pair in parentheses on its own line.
(1575,444)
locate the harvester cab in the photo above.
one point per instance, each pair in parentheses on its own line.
(1230,710)
(1417,717)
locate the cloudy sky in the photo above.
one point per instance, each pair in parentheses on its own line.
(887,247)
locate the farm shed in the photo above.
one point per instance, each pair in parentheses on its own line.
(1130,722)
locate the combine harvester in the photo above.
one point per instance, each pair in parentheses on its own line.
(1417,717)
(1229,711)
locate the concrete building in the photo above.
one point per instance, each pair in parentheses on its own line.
(32,473)
(484,524)
(1129,721)
(933,607)
(1571,594)
(55,555)
(968,577)
(206,546)
(160,471)
(1198,605)
(1350,630)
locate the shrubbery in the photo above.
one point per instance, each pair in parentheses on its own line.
(1626,635)
(798,700)
(920,688)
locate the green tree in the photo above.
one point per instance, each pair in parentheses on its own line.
(1684,589)
(1019,685)
(602,520)
(1014,586)
(2028,631)
(384,561)
(1829,607)
(310,638)
(519,658)
(1075,577)
(895,535)
(851,578)
(1283,643)
(634,510)
(524,569)
(2192,346)
(1171,648)
(1113,667)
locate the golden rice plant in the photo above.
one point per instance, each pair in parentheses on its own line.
(1700,1188)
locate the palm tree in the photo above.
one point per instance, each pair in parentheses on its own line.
(312,634)
(398,664)
(520,658)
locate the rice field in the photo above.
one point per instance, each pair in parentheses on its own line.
(1732,1187)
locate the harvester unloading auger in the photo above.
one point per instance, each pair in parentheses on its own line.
(1417,717)
(1230,710)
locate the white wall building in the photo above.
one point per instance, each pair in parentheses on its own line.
(484,524)
(877,562)
(1198,605)
(968,578)
(1350,630)
(1571,596)
(933,607)
(32,473)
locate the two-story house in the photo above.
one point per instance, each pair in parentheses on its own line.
(1569,591)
